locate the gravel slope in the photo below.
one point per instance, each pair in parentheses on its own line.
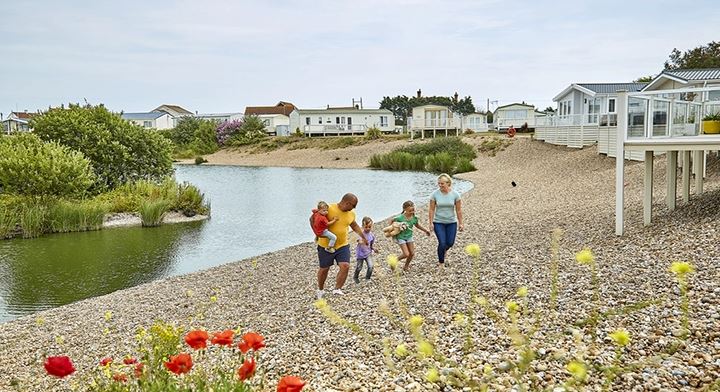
(557,187)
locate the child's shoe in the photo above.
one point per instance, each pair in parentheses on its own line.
(330,249)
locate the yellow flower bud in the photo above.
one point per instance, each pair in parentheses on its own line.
(425,348)
(432,375)
(59,339)
(108,315)
(682,268)
(585,256)
(577,369)
(416,321)
(487,369)
(189,293)
(480,300)
(512,306)
(620,337)
(522,292)
(401,350)
(321,304)
(460,318)
(213,299)
(473,250)
(392,261)
(39,321)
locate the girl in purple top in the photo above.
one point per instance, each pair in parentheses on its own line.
(363,253)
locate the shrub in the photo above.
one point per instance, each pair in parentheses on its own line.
(193,136)
(152,211)
(451,145)
(373,133)
(190,201)
(28,166)
(712,117)
(493,145)
(441,162)
(445,155)
(240,132)
(118,151)
(200,160)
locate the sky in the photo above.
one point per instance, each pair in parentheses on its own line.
(217,56)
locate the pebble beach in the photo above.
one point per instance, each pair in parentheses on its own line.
(556,188)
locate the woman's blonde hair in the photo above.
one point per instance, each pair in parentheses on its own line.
(444,177)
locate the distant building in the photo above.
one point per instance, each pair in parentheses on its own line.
(591,103)
(284,108)
(17,122)
(175,111)
(515,115)
(340,121)
(220,117)
(687,78)
(154,120)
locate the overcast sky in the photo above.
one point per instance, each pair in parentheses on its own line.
(220,56)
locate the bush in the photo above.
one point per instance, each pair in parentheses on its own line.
(28,166)
(193,136)
(152,211)
(240,132)
(445,155)
(452,145)
(373,133)
(118,151)
(200,160)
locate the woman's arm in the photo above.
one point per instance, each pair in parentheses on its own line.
(431,212)
(458,211)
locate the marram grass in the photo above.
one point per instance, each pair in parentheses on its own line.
(152,212)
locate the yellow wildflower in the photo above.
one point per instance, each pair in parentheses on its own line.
(392,261)
(512,306)
(621,337)
(487,369)
(425,348)
(460,318)
(39,321)
(106,331)
(401,350)
(585,256)
(432,375)
(473,250)
(682,268)
(522,292)
(416,321)
(254,263)
(59,339)
(108,315)
(189,293)
(577,369)
(480,300)
(213,298)
(321,304)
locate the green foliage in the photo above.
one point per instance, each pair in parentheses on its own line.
(401,105)
(642,79)
(67,216)
(443,155)
(118,151)
(373,133)
(712,117)
(28,166)
(184,197)
(493,145)
(249,131)
(193,136)
(200,160)
(707,56)
(153,211)
(190,201)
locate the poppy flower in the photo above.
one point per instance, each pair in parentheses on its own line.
(139,367)
(224,338)
(251,340)
(290,384)
(106,361)
(179,364)
(196,339)
(59,366)
(129,360)
(247,369)
(120,377)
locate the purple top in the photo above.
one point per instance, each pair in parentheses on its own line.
(362,251)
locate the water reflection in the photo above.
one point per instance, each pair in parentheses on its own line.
(255,211)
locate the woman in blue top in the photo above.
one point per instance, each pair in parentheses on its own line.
(445,215)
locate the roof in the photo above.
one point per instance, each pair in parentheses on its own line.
(600,88)
(612,88)
(281,108)
(341,110)
(174,108)
(142,116)
(514,104)
(685,76)
(15,120)
(694,74)
(22,115)
(219,114)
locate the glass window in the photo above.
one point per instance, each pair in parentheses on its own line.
(660,112)
(319,120)
(307,120)
(611,105)
(383,121)
(147,124)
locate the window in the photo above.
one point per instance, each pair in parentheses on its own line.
(383,121)
(319,120)
(307,120)
(611,105)
(328,120)
(147,124)
(337,120)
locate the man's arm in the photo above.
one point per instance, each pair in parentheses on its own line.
(354,226)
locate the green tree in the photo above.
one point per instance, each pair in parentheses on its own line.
(29,166)
(644,79)
(400,106)
(119,151)
(707,56)
(463,106)
(549,109)
(194,134)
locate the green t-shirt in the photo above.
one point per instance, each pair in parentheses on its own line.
(407,233)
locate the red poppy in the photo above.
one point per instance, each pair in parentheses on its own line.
(59,366)
(129,360)
(139,369)
(196,339)
(251,340)
(106,361)
(247,369)
(290,384)
(224,338)
(179,364)
(120,377)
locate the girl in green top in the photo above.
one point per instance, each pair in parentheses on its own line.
(404,238)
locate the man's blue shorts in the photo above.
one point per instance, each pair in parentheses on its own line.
(341,255)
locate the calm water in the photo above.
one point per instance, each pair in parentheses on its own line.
(254,211)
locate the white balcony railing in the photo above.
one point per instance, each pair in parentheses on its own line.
(335,128)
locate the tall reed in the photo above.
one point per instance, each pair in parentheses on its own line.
(66,216)
(152,212)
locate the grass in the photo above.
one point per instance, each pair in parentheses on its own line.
(442,155)
(67,216)
(297,142)
(152,212)
(493,145)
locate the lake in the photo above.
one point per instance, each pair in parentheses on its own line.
(255,210)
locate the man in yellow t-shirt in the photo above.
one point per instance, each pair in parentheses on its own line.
(345,215)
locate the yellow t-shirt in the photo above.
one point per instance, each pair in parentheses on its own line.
(339,228)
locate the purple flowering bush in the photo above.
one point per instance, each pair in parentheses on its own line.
(239,132)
